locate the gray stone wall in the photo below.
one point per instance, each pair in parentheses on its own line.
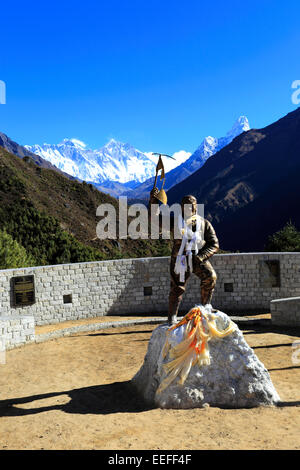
(257,278)
(15,331)
(246,282)
(286,312)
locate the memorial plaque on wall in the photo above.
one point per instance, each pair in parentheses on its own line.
(23,290)
(269,273)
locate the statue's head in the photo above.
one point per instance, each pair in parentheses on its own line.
(189,205)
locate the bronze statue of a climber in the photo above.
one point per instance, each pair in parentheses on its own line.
(190,253)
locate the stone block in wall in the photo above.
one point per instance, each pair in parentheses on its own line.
(16,330)
(285,312)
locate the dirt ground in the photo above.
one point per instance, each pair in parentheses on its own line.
(74,393)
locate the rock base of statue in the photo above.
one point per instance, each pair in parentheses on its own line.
(235,377)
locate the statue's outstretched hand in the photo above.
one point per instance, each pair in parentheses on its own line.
(153,196)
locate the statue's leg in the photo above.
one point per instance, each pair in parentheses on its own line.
(208,278)
(177,290)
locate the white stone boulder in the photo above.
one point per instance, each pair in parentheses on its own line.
(235,378)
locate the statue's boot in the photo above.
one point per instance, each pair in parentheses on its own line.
(173,311)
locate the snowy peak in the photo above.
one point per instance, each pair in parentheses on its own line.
(112,143)
(115,161)
(122,163)
(191,163)
(211,145)
(240,125)
(208,147)
(73,143)
(120,150)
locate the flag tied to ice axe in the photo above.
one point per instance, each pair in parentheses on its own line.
(161,195)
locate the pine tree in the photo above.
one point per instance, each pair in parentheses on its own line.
(12,254)
(286,239)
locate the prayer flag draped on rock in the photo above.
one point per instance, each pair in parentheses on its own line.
(197,330)
(181,370)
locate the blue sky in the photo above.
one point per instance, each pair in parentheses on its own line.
(160,75)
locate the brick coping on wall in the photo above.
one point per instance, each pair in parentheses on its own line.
(287,299)
(83,263)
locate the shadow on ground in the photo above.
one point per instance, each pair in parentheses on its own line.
(119,333)
(266,326)
(117,397)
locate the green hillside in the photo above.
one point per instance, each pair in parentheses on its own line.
(54,218)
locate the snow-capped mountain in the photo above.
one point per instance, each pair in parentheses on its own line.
(115,161)
(211,145)
(208,147)
(121,163)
